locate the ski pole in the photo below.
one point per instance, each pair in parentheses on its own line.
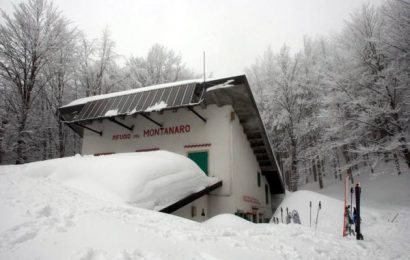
(317,215)
(281,214)
(310,214)
(394,218)
(287,215)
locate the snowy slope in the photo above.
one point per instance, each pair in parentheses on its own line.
(384,195)
(44,218)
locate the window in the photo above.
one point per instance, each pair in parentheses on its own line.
(259,179)
(201,159)
(267,193)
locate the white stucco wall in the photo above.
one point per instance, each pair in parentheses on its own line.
(230,157)
(213,132)
(248,196)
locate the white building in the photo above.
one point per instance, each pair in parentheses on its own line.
(215,123)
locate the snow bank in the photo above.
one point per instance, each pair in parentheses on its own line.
(44,218)
(228,220)
(151,180)
(332,209)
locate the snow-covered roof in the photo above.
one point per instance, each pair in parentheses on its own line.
(82,101)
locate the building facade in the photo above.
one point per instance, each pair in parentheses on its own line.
(201,121)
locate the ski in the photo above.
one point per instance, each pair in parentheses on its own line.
(345,208)
(317,214)
(357,218)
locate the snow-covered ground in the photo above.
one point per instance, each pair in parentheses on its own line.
(46,217)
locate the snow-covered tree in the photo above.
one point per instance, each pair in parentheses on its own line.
(373,80)
(28,39)
(60,89)
(287,93)
(159,66)
(98,71)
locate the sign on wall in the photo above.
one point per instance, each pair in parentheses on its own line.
(152,132)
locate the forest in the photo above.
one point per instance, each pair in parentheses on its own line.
(340,102)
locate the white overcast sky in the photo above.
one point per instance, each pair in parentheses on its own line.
(231,32)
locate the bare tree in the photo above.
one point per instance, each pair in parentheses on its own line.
(98,72)
(286,88)
(27,40)
(159,66)
(375,78)
(60,86)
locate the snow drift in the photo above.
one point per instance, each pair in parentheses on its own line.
(151,180)
(45,216)
(228,221)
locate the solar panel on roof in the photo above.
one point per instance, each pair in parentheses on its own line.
(188,96)
(124,106)
(150,98)
(175,96)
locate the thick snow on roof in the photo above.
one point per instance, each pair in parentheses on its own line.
(151,180)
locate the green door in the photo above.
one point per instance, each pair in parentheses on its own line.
(201,159)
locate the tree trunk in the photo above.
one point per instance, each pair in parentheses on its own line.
(314,170)
(20,137)
(319,172)
(386,157)
(294,173)
(61,146)
(347,160)
(369,163)
(338,165)
(404,149)
(50,146)
(396,161)
(334,167)
(322,164)
(2,132)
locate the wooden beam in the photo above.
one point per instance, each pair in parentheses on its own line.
(256,143)
(265,163)
(268,169)
(197,114)
(90,129)
(253,135)
(152,120)
(121,124)
(185,201)
(259,149)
